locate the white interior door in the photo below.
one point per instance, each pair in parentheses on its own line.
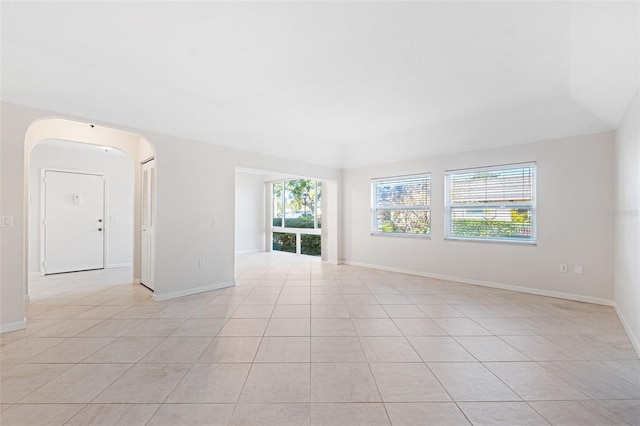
(147,239)
(73,222)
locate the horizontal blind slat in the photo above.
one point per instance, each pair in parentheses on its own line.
(402,205)
(491,204)
(403,192)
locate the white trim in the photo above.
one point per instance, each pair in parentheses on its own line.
(13,326)
(288,230)
(136,281)
(190,291)
(403,177)
(118,265)
(148,231)
(511,287)
(249,251)
(634,339)
(34,274)
(491,168)
(106,226)
(268,221)
(492,240)
(401,235)
(27,298)
(43,197)
(315,203)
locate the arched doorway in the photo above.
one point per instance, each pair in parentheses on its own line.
(138,149)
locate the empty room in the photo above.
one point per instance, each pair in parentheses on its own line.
(320,213)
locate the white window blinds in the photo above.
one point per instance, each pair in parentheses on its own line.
(491,203)
(401,205)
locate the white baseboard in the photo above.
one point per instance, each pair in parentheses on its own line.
(249,251)
(511,287)
(27,298)
(34,274)
(13,326)
(136,281)
(118,265)
(190,291)
(634,339)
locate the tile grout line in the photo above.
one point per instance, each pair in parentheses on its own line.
(406,286)
(244,383)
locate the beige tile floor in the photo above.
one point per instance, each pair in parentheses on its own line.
(299,342)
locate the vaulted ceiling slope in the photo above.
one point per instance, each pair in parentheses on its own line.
(342,84)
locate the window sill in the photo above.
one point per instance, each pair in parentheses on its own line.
(390,234)
(310,231)
(487,240)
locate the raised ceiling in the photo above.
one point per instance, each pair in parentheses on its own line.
(341,84)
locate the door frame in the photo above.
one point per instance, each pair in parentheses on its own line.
(152,248)
(105,234)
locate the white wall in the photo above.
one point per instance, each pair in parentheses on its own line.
(250,212)
(12,265)
(195,185)
(627,222)
(574,188)
(119,217)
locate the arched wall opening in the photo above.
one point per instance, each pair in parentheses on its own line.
(195,203)
(254,212)
(106,241)
(137,148)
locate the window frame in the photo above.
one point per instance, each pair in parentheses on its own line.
(375,208)
(298,232)
(448,208)
(317,184)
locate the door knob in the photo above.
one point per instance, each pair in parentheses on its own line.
(100,220)
(99,229)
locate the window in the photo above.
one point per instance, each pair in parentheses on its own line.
(297,216)
(298,202)
(401,205)
(491,203)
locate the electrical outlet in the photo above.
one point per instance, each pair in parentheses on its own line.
(564,267)
(202,263)
(577,269)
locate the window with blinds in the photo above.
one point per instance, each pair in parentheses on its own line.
(401,205)
(491,203)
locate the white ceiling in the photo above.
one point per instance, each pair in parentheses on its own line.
(342,84)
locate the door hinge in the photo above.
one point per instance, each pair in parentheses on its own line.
(44,264)
(44,222)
